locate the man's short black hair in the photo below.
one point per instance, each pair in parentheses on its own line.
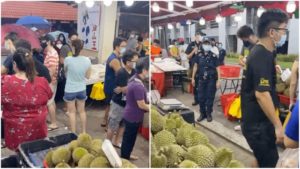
(128,56)
(142,64)
(22,43)
(72,33)
(13,36)
(117,42)
(245,32)
(140,39)
(271,18)
(156,41)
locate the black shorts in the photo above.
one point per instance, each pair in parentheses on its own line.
(261,139)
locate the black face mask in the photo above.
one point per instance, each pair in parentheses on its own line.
(246,43)
(44,45)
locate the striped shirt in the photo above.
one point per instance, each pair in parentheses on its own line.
(51,62)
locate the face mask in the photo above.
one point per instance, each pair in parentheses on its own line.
(281,41)
(220,46)
(59,46)
(61,39)
(147,76)
(44,45)
(122,51)
(206,48)
(246,43)
(133,65)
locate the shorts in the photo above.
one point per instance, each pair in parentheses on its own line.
(115,118)
(261,139)
(68,97)
(53,89)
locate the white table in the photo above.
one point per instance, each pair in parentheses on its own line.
(97,74)
(168,66)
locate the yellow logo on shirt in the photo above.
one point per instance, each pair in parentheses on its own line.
(264,82)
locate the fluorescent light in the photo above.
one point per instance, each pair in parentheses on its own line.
(188,22)
(171,6)
(170,26)
(291,7)
(218,18)
(160,27)
(155,7)
(151,29)
(260,11)
(107,2)
(189,3)
(89,3)
(129,2)
(237,17)
(78,1)
(202,21)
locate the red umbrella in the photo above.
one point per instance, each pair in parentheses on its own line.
(23,33)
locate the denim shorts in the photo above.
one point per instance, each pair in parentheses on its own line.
(68,97)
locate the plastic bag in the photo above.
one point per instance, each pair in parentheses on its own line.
(289,159)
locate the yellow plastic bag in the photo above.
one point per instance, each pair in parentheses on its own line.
(98,91)
(235,108)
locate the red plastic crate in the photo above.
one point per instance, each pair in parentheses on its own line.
(285,100)
(230,71)
(226,100)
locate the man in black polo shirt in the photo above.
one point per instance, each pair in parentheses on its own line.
(193,50)
(260,124)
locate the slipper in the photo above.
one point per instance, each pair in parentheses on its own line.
(52,128)
(132,157)
(117,146)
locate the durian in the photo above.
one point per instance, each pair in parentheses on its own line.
(175,154)
(188,164)
(157,121)
(78,153)
(84,140)
(195,138)
(203,156)
(235,164)
(163,138)
(62,165)
(85,161)
(127,164)
(223,157)
(100,162)
(62,154)
(158,160)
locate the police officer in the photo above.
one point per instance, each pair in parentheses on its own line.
(193,50)
(206,68)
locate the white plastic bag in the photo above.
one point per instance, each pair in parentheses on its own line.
(286,74)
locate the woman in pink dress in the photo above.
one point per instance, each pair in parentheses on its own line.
(24,101)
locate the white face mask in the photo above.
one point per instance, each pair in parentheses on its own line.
(133,65)
(122,51)
(59,46)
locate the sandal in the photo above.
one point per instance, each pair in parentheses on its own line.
(133,157)
(52,128)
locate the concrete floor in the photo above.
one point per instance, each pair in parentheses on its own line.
(220,131)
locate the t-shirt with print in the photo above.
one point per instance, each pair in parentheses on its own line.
(122,78)
(258,75)
(135,91)
(76,68)
(51,62)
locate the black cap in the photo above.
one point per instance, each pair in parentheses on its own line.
(200,33)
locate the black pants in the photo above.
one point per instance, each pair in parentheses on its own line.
(261,139)
(207,92)
(196,89)
(129,137)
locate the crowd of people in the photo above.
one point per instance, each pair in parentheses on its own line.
(29,84)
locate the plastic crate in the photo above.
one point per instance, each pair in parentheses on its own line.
(226,100)
(230,71)
(285,100)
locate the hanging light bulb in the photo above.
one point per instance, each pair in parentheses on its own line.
(171,6)
(170,26)
(260,11)
(107,2)
(218,18)
(160,27)
(151,29)
(129,2)
(178,25)
(291,7)
(189,3)
(188,22)
(155,7)
(202,21)
(78,1)
(237,18)
(89,3)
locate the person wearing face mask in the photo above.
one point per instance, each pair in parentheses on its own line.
(113,65)
(51,61)
(206,68)
(261,126)
(222,53)
(136,105)
(193,50)
(10,38)
(140,48)
(132,42)
(246,34)
(115,122)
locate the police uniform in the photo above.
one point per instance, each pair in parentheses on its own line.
(192,61)
(207,71)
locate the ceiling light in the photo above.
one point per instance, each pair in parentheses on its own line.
(237,18)
(171,6)
(291,7)
(78,1)
(155,7)
(170,26)
(218,18)
(189,3)
(89,3)
(260,11)
(188,22)
(107,2)
(129,2)
(202,21)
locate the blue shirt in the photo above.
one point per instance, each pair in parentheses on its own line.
(110,76)
(76,71)
(292,128)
